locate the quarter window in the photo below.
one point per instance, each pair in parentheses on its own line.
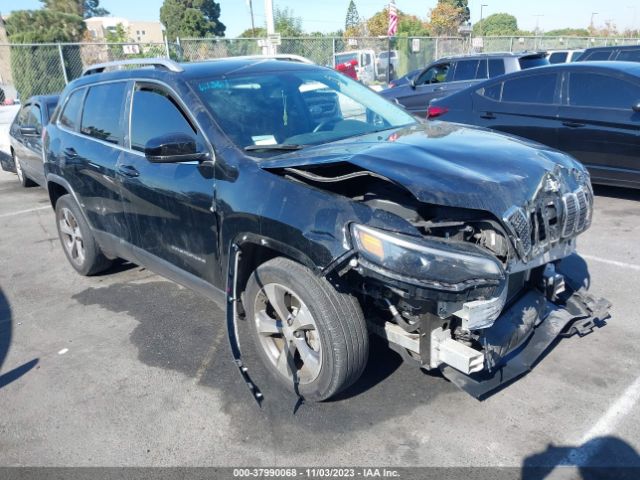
(150,105)
(102,115)
(71,113)
(600,91)
(539,89)
(23,116)
(629,56)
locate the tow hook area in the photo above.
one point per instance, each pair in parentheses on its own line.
(592,310)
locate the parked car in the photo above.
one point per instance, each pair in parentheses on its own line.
(405,79)
(629,53)
(449,75)
(563,56)
(25,139)
(305,203)
(590,110)
(365,66)
(392,59)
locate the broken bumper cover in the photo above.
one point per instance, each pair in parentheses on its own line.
(523,334)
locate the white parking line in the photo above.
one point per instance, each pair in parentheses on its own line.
(13,214)
(605,426)
(614,263)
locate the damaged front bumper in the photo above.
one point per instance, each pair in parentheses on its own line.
(522,335)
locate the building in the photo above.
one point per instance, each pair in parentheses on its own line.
(137,31)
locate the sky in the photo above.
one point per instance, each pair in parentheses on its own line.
(329,15)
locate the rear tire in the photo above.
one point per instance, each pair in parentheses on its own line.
(312,338)
(25,181)
(77,239)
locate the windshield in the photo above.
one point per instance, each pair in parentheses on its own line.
(306,107)
(344,58)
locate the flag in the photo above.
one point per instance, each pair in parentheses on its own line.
(393,19)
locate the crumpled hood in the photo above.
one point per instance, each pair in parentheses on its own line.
(446,164)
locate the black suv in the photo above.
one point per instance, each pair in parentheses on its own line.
(627,53)
(305,203)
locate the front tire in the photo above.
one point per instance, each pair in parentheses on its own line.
(312,338)
(77,240)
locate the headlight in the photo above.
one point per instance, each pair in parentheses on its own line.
(427,260)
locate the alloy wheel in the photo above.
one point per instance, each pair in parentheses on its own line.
(288,333)
(72,236)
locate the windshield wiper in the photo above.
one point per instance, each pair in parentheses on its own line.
(278,146)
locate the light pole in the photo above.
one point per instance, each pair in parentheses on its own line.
(593,14)
(538,22)
(481,17)
(634,30)
(271,29)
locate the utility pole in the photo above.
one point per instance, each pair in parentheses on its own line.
(593,14)
(271,29)
(253,23)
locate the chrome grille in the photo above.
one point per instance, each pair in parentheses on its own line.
(542,224)
(520,223)
(570,202)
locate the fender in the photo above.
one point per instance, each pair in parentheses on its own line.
(53,178)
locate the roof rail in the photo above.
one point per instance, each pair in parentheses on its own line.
(119,64)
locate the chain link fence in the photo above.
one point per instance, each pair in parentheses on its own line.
(31,69)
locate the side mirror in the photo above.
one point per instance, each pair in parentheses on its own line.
(412,83)
(29,131)
(173,148)
(636,107)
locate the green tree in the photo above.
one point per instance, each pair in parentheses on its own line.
(445,19)
(83,8)
(352,23)
(378,25)
(37,70)
(496,25)
(257,32)
(191,18)
(286,23)
(463,5)
(568,32)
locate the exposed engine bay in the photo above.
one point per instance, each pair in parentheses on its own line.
(468,326)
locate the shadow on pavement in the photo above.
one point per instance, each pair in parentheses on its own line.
(5,344)
(603,458)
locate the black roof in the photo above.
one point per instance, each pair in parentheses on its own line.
(613,47)
(194,70)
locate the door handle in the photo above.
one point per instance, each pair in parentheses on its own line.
(70,152)
(439,89)
(573,124)
(488,116)
(128,171)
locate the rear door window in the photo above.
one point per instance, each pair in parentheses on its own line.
(535,89)
(482,73)
(496,67)
(466,70)
(70,117)
(601,91)
(532,62)
(629,56)
(149,104)
(23,115)
(102,117)
(598,55)
(35,117)
(558,57)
